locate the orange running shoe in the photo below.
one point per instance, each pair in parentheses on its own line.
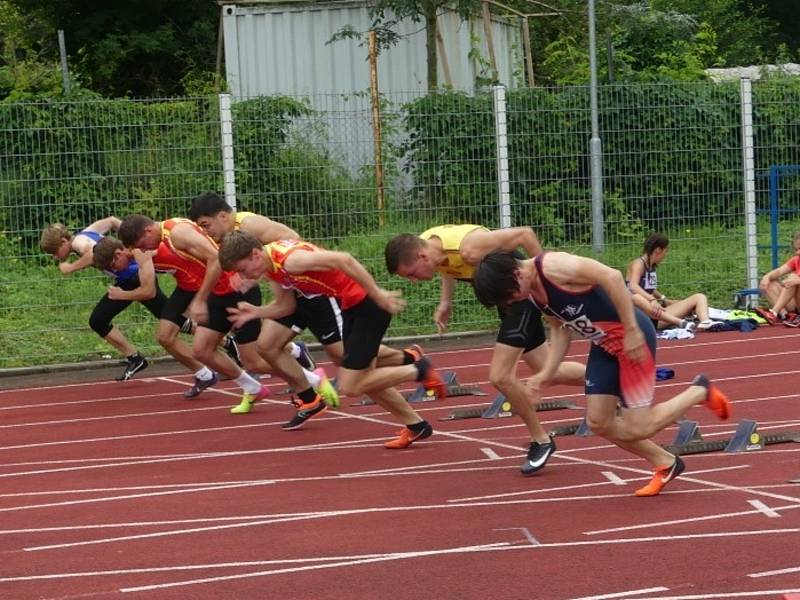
(408,437)
(305,410)
(416,351)
(661,477)
(716,401)
(431,380)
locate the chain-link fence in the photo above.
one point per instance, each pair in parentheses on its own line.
(680,158)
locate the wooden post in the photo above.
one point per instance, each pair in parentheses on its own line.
(526,42)
(376,122)
(448,79)
(487,30)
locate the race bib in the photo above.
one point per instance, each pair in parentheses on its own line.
(584,327)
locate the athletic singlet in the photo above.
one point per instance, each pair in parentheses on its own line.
(188,270)
(590,313)
(334,283)
(451,237)
(239,217)
(125,274)
(649,279)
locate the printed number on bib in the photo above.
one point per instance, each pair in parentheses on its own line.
(584,327)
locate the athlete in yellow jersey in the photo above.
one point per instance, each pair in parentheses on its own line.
(453,251)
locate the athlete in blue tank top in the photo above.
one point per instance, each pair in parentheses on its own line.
(581,295)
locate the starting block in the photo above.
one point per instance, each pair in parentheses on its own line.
(420,394)
(580,429)
(501,407)
(746,438)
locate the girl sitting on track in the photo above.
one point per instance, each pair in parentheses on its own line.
(781,286)
(642,281)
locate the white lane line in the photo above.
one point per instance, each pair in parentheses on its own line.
(614,478)
(723,595)
(487,548)
(764,509)
(491,454)
(525,531)
(627,594)
(775,572)
(712,517)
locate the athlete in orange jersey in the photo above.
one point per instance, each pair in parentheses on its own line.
(298,266)
(188,251)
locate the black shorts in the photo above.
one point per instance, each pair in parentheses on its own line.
(363,327)
(218,314)
(320,314)
(106,309)
(521,326)
(175,308)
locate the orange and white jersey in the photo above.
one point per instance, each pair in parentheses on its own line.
(334,283)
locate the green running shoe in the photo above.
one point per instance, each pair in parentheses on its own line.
(326,390)
(246,405)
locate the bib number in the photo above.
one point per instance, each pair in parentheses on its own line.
(584,327)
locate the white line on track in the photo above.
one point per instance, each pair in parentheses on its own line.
(766,510)
(627,594)
(775,572)
(724,595)
(399,556)
(614,478)
(491,453)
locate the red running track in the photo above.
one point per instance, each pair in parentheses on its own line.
(128,491)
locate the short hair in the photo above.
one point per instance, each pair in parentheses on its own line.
(208,204)
(402,250)
(103,252)
(495,278)
(51,237)
(132,228)
(653,242)
(236,246)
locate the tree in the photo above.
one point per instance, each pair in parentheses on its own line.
(145,48)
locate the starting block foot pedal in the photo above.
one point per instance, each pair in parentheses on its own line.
(688,431)
(746,438)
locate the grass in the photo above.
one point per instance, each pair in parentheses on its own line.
(44,315)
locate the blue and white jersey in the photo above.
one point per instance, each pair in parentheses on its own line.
(124,275)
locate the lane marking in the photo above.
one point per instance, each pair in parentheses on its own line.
(624,594)
(525,531)
(775,572)
(724,596)
(764,509)
(614,478)
(491,454)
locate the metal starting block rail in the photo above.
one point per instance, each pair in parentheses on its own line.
(746,438)
(420,394)
(501,407)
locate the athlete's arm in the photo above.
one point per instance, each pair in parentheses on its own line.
(85,260)
(105,225)
(187,239)
(784,269)
(441,316)
(478,243)
(284,303)
(301,261)
(560,340)
(267,230)
(147,280)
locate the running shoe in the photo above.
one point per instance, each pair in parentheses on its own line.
(416,351)
(538,455)
(716,401)
(231,349)
(326,389)
(795,322)
(766,314)
(200,385)
(688,325)
(246,404)
(408,437)
(136,362)
(305,410)
(305,359)
(705,325)
(661,477)
(431,380)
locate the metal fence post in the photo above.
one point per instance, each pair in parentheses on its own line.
(226,141)
(749,180)
(501,139)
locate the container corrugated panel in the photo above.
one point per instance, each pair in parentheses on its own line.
(281,49)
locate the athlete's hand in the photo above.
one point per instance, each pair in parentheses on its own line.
(441,316)
(198,312)
(243,313)
(390,301)
(634,345)
(115,293)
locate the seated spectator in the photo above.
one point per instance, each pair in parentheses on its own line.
(664,312)
(781,286)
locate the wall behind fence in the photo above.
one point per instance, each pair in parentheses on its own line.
(673,162)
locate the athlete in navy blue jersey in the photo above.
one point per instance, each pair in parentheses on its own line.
(582,296)
(59,242)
